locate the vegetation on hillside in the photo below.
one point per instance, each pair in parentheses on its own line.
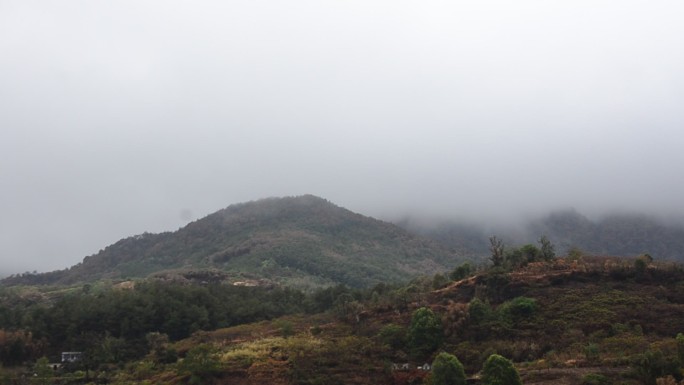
(584,318)
(301,241)
(525,315)
(625,235)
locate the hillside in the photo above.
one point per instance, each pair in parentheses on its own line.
(301,241)
(563,322)
(618,234)
(580,320)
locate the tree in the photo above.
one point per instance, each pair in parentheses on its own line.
(439,281)
(498,370)
(496,247)
(461,272)
(548,251)
(520,307)
(425,332)
(530,253)
(42,370)
(479,311)
(447,370)
(521,256)
(653,364)
(680,348)
(640,266)
(200,363)
(158,344)
(393,336)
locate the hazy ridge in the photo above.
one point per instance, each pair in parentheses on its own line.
(621,234)
(302,240)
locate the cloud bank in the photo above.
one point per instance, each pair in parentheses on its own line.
(131,116)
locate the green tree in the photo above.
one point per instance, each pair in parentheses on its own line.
(160,351)
(640,266)
(393,336)
(680,348)
(530,253)
(42,370)
(548,251)
(498,370)
(461,272)
(447,370)
(479,311)
(439,281)
(425,332)
(653,364)
(575,254)
(285,327)
(200,363)
(519,308)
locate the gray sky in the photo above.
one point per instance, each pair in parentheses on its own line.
(119,117)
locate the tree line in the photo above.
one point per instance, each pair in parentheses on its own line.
(85,319)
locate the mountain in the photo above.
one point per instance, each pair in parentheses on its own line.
(305,241)
(617,234)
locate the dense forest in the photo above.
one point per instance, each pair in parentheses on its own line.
(45,321)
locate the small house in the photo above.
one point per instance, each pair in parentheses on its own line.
(71,356)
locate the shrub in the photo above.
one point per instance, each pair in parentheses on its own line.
(521,307)
(425,332)
(447,370)
(479,311)
(653,364)
(285,327)
(461,272)
(680,348)
(200,363)
(498,370)
(591,352)
(595,379)
(393,336)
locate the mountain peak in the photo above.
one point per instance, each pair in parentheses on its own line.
(305,240)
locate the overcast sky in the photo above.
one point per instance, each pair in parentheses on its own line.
(119,117)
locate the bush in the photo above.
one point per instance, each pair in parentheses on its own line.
(200,363)
(425,333)
(653,364)
(393,336)
(595,379)
(447,370)
(520,307)
(591,352)
(680,348)
(498,370)
(461,272)
(479,311)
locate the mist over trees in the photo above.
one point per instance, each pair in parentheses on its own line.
(618,234)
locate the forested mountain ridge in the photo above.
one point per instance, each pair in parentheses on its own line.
(302,240)
(617,234)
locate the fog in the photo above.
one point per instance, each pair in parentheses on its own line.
(129,116)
